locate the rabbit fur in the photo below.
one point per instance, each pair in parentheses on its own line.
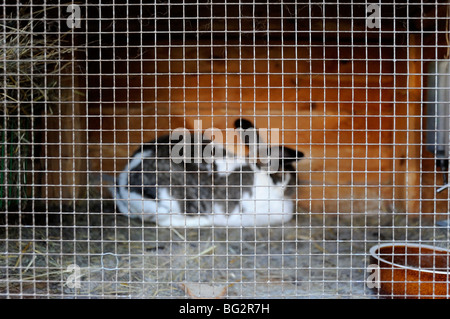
(226,190)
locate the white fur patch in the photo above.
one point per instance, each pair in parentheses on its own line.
(265,206)
(226,165)
(134,205)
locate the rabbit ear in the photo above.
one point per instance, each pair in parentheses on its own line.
(279,158)
(243,124)
(289,155)
(249,134)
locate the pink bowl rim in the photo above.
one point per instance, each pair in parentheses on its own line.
(374,254)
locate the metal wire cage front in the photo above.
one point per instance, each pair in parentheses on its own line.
(361,90)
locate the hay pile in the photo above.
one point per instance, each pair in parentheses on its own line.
(315,255)
(30,67)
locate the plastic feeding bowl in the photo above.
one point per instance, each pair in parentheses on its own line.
(411,270)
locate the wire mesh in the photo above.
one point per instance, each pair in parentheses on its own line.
(350,100)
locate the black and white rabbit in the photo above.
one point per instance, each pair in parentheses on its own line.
(192,191)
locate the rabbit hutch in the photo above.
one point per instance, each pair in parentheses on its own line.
(361,89)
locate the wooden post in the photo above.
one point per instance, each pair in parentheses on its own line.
(64,147)
(408,135)
(415,88)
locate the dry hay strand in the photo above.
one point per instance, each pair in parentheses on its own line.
(314,255)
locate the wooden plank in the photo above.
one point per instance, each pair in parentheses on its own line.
(343,122)
(414,148)
(64,164)
(408,132)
